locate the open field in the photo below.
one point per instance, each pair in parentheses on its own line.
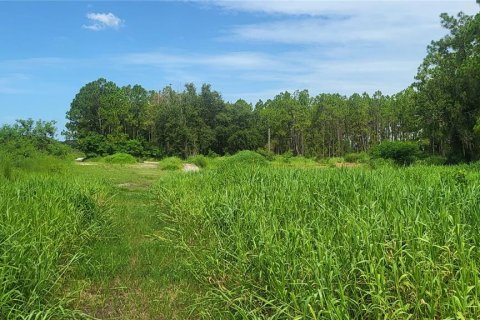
(303,171)
(243,238)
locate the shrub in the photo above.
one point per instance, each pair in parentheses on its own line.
(403,153)
(246,158)
(170,163)
(198,160)
(119,158)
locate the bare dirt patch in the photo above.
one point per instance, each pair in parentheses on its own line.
(86,163)
(190,167)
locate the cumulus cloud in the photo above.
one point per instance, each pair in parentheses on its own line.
(102,21)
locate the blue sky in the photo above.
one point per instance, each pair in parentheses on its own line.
(245,49)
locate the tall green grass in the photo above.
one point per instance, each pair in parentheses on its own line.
(281,243)
(45,222)
(14,166)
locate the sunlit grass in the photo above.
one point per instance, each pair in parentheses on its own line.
(391,243)
(44,225)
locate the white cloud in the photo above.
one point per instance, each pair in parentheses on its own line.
(308,69)
(101,21)
(323,22)
(326,7)
(231,60)
(341,46)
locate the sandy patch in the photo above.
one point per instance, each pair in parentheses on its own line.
(190,167)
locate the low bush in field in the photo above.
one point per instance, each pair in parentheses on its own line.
(170,163)
(402,152)
(44,224)
(244,158)
(119,158)
(284,243)
(199,160)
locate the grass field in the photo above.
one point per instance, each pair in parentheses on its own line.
(243,238)
(129,275)
(45,224)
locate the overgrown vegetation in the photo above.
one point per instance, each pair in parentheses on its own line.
(402,153)
(44,226)
(244,158)
(199,160)
(46,218)
(280,233)
(170,163)
(331,243)
(119,158)
(29,146)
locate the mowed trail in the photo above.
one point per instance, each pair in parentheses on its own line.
(130,274)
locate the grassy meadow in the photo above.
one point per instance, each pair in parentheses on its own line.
(45,223)
(184,202)
(343,243)
(245,238)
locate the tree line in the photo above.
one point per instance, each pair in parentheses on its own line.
(440,111)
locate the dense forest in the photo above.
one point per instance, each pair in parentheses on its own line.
(440,112)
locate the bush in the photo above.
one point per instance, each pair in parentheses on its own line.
(119,158)
(198,160)
(402,153)
(246,157)
(359,157)
(170,163)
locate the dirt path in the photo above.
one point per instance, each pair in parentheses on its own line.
(131,275)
